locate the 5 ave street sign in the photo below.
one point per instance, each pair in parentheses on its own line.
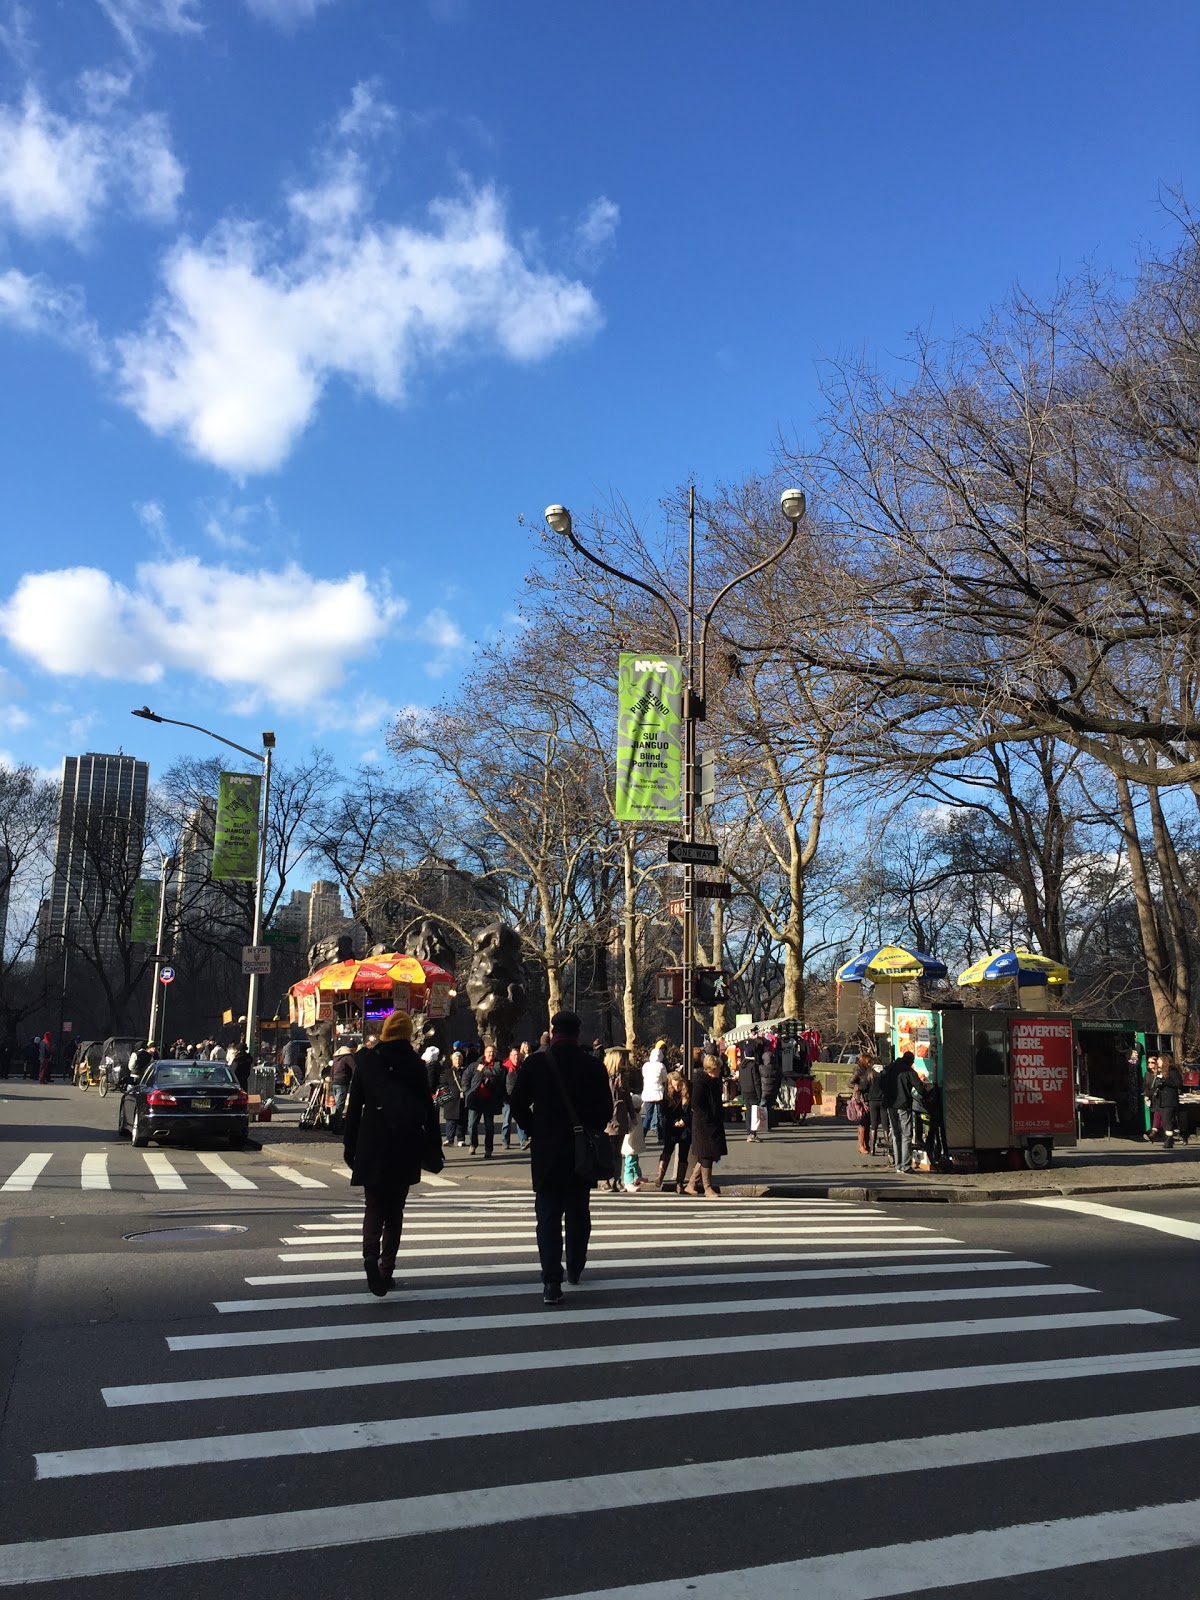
(704,855)
(708,889)
(256,958)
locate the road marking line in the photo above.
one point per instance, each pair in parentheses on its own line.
(162,1171)
(263,1383)
(932,1247)
(968,1559)
(23,1178)
(649,1231)
(220,1168)
(639,1242)
(93,1171)
(437,1181)
(300,1179)
(498,1322)
(935,1563)
(690,1280)
(1137,1219)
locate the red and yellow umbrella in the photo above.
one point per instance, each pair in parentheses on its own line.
(412,984)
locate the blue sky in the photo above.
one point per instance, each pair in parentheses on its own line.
(304,302)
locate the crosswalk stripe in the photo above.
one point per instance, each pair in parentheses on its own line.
(96,1554)
(655,1312)
(945,1563)
(300,1179)
(604,1355)
(438,1181)
(638,1242)
(23,1178)
(220,1168)
(162,1171)
(1137,1219)
(662,1232)
(685,1280)
(931,1247)
(93,1171)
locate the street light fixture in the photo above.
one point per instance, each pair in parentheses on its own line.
(268,742)
(793,505)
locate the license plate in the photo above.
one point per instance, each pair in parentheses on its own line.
(201,1105)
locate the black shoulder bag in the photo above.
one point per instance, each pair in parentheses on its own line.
(594,1158)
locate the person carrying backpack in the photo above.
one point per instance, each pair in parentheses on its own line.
(391,1122)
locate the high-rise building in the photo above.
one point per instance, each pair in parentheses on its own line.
(98,851)
(198,900)
(293,917)
(325,913)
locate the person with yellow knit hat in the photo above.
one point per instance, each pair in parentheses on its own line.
(391,1120)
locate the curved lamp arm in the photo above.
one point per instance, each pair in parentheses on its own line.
(733,583)
(153,716)
(559,519)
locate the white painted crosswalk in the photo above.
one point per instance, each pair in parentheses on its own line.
(128,1170)
(777,1323)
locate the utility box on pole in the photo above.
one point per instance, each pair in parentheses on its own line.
(706,778)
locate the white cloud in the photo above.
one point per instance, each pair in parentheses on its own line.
(241,346)
(287,636)
(133,18)
(597,226)
(446,639)
(31,305)
(285,13)
(57,175)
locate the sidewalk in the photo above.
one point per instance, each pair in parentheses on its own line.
(819,1158)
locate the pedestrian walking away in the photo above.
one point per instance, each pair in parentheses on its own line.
(391,1130)
(557,1086)
(654,1076)
(340,1075)
(770,1072)
(858,1107)
(616,1065)
(750,1083)
(1168,1086)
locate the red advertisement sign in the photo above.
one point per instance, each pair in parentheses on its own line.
(1041,1065)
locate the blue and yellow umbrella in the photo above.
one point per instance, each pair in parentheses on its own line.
(1023,967)
(891,963)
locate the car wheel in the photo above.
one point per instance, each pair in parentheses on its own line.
(139,1136)
(122,1129)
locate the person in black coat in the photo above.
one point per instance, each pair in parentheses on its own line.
(708,1125)
(1164,1097)
(240,1067)
(750,1082)
(901,1087)
(390,1120)
(770,1074)
(539,1104)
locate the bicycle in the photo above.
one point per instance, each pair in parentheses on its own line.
(89,1074)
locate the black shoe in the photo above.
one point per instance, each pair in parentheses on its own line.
(388,1279)
(487,1155)
(574,1277)
(552,1294)
(375,1279)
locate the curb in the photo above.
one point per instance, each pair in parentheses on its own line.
(931,1196)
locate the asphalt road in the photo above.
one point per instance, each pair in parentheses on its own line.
(744,1400)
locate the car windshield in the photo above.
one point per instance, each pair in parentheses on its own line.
(183,1075)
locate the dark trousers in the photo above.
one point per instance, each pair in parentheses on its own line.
(569,1204)
(676,1139)
(383,1218)
(475,1116)
(876,1118)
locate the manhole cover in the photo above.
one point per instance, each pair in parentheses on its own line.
(202,1230)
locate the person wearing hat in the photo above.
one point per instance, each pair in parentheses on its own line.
(390,1120)
(342,1070)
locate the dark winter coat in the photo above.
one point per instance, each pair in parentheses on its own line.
(450,1089)
(771,1073)
(477,1074)
(750,1080)
(541,1112)
(1164,1092)
(342,1069)
(875,1087)
(240,1067)
(708,1119)
(389,1117)
(901,1086)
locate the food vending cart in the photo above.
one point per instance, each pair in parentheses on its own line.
(1007,1078)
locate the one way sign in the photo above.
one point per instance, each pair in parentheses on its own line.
(703,855)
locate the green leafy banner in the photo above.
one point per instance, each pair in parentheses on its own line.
(650,739)
(143,924)
(235,842)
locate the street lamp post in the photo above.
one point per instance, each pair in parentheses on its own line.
(167,867)
(793,506)
(268,740)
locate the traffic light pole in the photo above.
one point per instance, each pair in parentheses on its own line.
(690,714)
(156,997)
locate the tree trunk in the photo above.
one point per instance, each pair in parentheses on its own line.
(1158,973)
(793,943)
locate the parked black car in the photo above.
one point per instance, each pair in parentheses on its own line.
(184,1100)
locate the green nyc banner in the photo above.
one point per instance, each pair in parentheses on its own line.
(143,925)
(235,843)
(650,739)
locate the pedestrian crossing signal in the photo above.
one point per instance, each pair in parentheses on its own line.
(711,986)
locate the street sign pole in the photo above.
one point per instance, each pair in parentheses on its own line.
(156,997)
(689,799)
